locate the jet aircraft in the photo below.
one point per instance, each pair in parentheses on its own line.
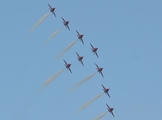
(66,23)
(110,110)
(68,66)
(52,10)
(80,58)
(94,50)
(99,70)
(80,36)
(106,90)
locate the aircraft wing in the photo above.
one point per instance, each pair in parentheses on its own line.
(82,62)
(77,54)
(112,114)
(65,61)
(68,27)
(49,5)
(96,65)
(70,70)
(102,74)
(77,32)
(63,19)
(96,53)
(107,106)
(82,41)
(108,94)
(54,13)
(91,45)
(102,86)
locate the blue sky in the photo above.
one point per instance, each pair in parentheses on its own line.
(128,36)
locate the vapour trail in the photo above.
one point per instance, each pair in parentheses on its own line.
(35,26)
(100,116)
(81,82)
(91,101)
(53,77)
(53,35)
(40,21)
(66,49)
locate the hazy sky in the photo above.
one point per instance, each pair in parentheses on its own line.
(128,35)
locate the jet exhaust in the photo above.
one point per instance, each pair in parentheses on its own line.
(53,35)
(53,77)
(100,116)
(81,82)
(91,101)
(66,49)
(39,22)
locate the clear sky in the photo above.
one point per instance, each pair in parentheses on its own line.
(128,34)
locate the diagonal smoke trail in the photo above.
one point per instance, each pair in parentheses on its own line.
(100,116)
(91,101)
(66,49)
(39,22)
(81,82)
(36,25)
(53,77)
(53,35)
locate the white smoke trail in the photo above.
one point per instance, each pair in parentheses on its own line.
(81,82)
(39,22)
(91,101)
(66,49)
(100,116)
(53,77)
(53,35)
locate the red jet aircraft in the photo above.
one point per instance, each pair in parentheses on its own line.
(52,10)
(66,23)
(80,36)
(99,70)
(94,50)
(68,66)
(80,58)
(110,110)
(106,90)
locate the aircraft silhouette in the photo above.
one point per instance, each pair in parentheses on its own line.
(65,23)
(99,70)
(94,50)
(80,36)
(110,110)
(68,66)
(106,90)
(52,10)
(80,58)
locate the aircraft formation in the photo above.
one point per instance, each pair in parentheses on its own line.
(80,59)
